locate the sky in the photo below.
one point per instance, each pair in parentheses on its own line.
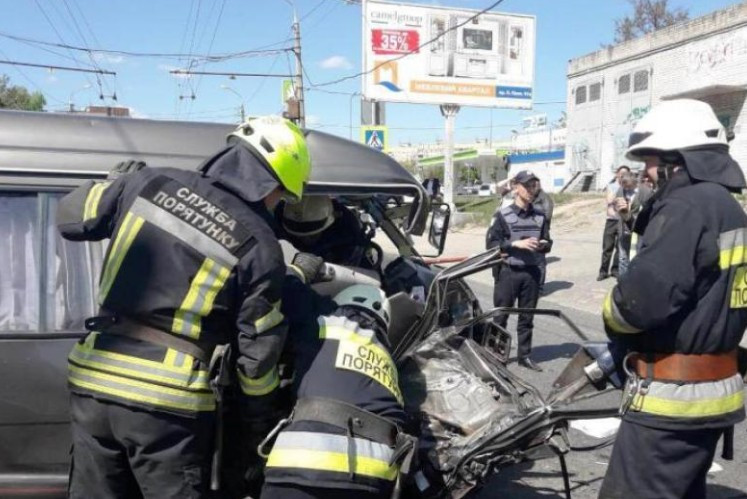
(331,49)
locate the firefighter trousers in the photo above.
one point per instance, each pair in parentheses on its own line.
(125,453)
(663,464)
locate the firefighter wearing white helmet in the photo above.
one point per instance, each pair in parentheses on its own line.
(345,434)
(327,228)
(309,217)
(681,309)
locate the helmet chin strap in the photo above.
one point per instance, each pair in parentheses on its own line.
(663,174)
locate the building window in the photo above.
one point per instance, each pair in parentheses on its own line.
(595,92)
(581,94)
(623,84)
(640,81)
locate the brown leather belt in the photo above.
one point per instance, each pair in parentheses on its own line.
(686,367)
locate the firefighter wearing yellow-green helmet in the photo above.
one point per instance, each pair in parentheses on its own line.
(282,145)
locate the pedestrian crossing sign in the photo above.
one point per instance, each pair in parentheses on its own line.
(374,137)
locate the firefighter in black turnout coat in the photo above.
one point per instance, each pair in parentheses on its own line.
(192,265)
(344,433)
(681,309)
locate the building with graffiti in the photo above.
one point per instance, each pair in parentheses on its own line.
(611,89)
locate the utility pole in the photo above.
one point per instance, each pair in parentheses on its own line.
(299,70)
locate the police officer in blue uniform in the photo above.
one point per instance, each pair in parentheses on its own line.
(522,233)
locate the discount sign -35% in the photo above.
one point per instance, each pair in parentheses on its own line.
(395,41)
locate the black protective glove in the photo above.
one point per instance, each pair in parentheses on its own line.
(310,265)
(125,167)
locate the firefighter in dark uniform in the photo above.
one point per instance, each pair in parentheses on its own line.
(343,435)
(523,235)
(192,265)
(681,309)
(329,229)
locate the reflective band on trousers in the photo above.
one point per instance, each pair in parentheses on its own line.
(256,387)
(86,355)
(139,391)
(327,452)
(692,400)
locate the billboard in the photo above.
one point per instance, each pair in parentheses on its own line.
(436,55)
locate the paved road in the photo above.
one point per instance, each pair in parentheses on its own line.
(554,344)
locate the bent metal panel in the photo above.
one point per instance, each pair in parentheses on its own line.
(487,61)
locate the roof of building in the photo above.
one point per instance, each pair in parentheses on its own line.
(664,39)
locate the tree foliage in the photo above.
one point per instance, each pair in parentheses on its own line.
(18,97)
(647,16)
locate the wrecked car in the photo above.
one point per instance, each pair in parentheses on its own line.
(473,416)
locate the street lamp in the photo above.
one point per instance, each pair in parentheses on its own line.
(241,108)
(71,106)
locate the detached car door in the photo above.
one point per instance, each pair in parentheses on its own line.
(47,289)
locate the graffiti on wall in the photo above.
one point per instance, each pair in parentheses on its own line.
(636,114)
(622,133)
(711,54)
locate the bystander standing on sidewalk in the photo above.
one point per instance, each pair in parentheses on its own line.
(611,230)
(629,199)
(521,233)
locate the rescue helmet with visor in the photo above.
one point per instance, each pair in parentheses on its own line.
(282,146)
(310,216)
(673,126)
(368,298)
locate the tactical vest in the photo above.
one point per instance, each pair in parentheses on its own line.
(523,228)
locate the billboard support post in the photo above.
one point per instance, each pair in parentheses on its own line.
(449,111)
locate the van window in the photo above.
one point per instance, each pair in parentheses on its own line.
(47,284)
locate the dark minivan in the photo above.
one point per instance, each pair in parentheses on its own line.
(48,285)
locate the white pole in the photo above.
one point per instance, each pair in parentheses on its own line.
(449,111)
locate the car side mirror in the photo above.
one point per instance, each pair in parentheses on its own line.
(439,226)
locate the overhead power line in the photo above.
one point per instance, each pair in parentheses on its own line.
(60,68)
(264,50)
(218,73)
(417,49)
